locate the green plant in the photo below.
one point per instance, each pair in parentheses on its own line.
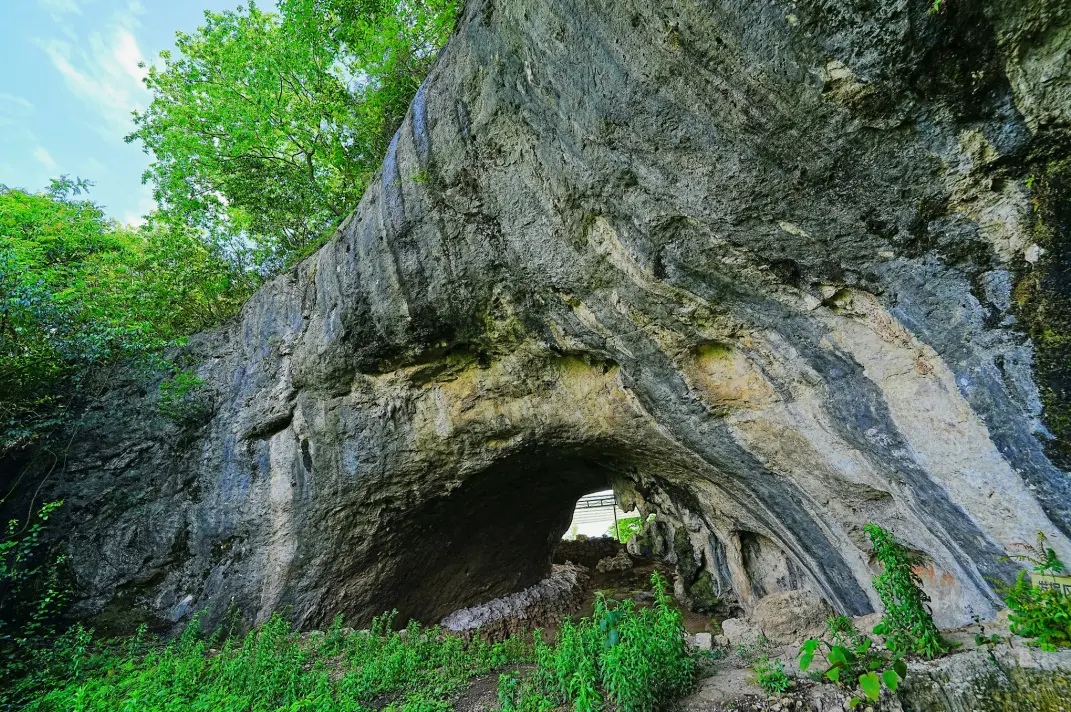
(634,658)
(753,649)
(80,294)
(859,663)
(266,126)
(770,675)
(1043,612)
(1044,558)
(183,399)
(852,658)
(907,624)
(272,668)
(32,594)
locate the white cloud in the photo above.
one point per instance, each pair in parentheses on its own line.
(15,105)
(105,76)
(145,205)
(44,158)
(59,8)
(94,168)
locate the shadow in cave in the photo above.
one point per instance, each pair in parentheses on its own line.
(494,535)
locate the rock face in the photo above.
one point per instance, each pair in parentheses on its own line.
(756,265)
(538,606)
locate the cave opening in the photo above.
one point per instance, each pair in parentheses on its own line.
(494,534)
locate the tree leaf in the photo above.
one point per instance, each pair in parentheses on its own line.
(871,685)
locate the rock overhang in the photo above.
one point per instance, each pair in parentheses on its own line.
(684,249)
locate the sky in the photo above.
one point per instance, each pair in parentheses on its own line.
(72,79)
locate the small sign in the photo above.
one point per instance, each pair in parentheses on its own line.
(1047,581)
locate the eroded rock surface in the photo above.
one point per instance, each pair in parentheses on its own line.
(538,606)
(753,264)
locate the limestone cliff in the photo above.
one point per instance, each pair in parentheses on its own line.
(753,264)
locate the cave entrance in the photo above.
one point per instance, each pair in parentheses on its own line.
(596,514)
(493,534)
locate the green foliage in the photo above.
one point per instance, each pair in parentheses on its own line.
(1044,559)
(853,659)
(633,658)
(269,126)
(907,625)
(753,649)
(31,594)
(273,668)
(626,528)
(770,675)
(79,293)
(182,398)
(1042,613)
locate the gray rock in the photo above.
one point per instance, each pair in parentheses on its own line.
(791,617)
(618,562)
(728,262)
(703,641)
(738,631)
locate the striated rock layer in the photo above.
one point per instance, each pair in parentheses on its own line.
(768,269)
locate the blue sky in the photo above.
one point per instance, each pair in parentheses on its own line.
(71,80)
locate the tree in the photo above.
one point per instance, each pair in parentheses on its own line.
(79,292)
(265,128)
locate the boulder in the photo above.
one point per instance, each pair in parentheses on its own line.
(618,562)
(739,631)
(791,617)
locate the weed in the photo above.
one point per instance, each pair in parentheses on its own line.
(1044,559)
(852,659)
(272,668)
(1042,613)
(634,658)
(753,649)
(183,398)
(907,625)
(770,675)
(32,594)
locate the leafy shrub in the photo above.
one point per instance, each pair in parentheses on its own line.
(79,293)
(272,668)
(626,528)
(635,658)
(182,398)
(31,595)
(907,624)
(770,675)
(1042,612)
(853,660)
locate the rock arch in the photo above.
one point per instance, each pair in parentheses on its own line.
(707,250)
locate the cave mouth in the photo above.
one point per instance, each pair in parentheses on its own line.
(493,535)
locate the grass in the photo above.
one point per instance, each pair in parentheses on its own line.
(635,659)
(273,668)
(623,657)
